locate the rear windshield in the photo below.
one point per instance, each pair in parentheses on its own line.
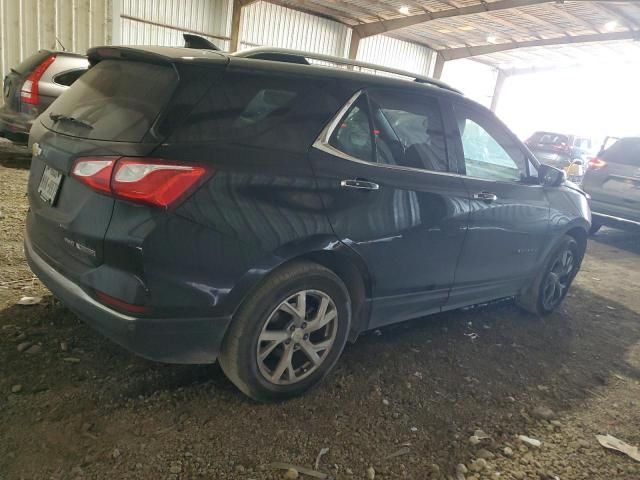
(29,64)
(547,138)
(115,100)
(625,151)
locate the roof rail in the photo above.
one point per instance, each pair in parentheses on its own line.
(300,57)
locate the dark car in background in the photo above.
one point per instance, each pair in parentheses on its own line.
(613,181)
(196,205)
(33,85)
(567,152)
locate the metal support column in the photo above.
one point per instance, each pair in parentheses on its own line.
(498,90)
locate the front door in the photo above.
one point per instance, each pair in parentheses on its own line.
(382,170)
(509,219)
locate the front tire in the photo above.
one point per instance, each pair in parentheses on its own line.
(552,284)
(289,334)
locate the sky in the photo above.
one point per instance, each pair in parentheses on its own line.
(595,101)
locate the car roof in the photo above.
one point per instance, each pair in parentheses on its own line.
(294,66)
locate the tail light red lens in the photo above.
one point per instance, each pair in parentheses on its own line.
(151,181)
(596,163)
(30,92)
(155,182)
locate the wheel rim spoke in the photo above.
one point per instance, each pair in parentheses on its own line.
(284,364)
(310,352)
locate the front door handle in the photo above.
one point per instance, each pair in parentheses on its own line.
(485,196)
(359,184)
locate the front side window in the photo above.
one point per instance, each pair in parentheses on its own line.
(353,134)
(489,151)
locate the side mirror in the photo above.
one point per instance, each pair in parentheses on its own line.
(551,176)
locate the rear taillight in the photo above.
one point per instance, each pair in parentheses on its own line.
(30,92)
(596,163)
(151,181)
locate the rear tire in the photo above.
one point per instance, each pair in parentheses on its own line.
(552,284)
(288,334)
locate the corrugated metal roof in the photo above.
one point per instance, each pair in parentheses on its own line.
(523,21)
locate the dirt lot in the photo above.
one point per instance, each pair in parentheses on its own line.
(404,401)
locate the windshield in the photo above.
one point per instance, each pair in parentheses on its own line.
(115,100)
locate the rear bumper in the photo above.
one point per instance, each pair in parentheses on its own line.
(170,340)
(14,124)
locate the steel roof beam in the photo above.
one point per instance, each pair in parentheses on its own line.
(466,52)
(382,26)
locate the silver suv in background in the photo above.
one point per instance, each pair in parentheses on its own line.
(613,181)
(33,85)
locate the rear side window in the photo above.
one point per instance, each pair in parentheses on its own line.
(393,128)
(67,78)
(408,130)
(115,100)
(625,151)
(29,64)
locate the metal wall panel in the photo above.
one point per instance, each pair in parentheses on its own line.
(266,24)
(391,52)
(162,22)
(27,26)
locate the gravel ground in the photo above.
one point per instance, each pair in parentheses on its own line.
(412,401)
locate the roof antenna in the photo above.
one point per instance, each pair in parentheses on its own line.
(63,48)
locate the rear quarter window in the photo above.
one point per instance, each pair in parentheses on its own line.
(115,100)
(259,109)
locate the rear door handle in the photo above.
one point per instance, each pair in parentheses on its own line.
(359,184)
(485,196)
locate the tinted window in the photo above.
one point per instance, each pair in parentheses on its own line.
(548,138)
(489,151)
(266,110)
(353,135)
(408,130)
(625,151)
(67,78)
(114,100)
(29,64)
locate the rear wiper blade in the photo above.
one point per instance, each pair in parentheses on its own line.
(57,117)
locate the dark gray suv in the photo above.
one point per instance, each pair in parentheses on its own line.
(613,181)
(260,210)
(33,85)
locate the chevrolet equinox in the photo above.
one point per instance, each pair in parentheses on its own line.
(262,208)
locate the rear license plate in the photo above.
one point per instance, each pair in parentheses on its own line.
(49,185)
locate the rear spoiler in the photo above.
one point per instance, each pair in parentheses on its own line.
(156,55)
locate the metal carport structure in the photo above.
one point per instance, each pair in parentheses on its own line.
(512,36)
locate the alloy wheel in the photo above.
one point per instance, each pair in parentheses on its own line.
(558,279)
(297,337)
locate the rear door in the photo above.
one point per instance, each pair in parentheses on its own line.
(108,112)
(383,172)
(613,181)
(509,220)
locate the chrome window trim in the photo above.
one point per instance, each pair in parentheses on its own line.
(322,143)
